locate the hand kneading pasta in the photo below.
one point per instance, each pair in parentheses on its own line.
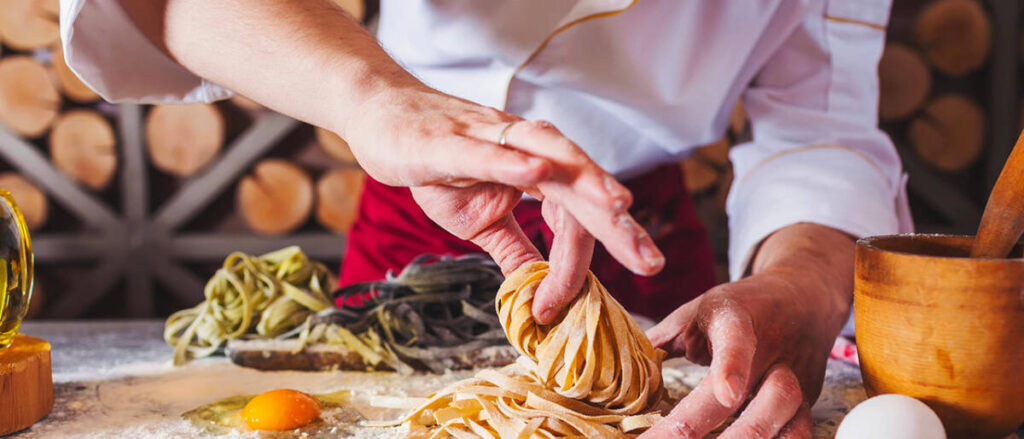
(592,374)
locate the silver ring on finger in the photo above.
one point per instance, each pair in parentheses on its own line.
(503,138)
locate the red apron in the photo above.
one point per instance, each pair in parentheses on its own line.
(391,229)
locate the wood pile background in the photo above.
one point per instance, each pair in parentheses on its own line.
(132,207)
(949,101)
(126,201)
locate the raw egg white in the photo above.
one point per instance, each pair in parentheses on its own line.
(891,417)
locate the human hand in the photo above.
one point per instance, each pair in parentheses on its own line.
(403,133)
(766,337)
(446,149)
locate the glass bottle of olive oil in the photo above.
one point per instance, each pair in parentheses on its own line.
(16,273)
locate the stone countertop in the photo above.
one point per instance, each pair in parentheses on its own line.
(80,348)
(115,379)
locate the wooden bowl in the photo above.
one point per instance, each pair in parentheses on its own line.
(943,328)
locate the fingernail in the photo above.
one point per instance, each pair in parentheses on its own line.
(611,186)
(547,315)
(736,387)
(623,219)
(650,253)
(616,191)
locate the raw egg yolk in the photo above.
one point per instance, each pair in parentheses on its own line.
(283,409)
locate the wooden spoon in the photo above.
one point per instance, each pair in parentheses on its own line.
(1003,220)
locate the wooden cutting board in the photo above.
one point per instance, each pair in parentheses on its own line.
(26,383)
(284,355)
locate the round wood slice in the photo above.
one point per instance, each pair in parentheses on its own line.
(183,138)
(956,35)
(28,99)
(356,8)
(276,198)
(904,81)
(26,383)
(716,153)
(287,354)
(29,24)
(82,144)
(698,175)
(68,81)
(949,133)
(738,119)
(335,146)
(30,199)
(337,198)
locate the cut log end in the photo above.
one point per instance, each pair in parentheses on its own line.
(276,199)
(698,175)
(29,101)
(956,35)
(27,381)
(83,146)
(73,88)
(716,153)
(335,146)
(337,201)
(905,82)
(29,24)
(182,139)
(29,198)
(949,133)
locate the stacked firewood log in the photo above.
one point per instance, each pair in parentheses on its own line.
(43,101)
(45,104)
(921,72)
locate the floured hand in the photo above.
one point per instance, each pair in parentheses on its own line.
(767,338)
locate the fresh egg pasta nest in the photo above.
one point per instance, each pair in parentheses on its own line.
(593,374)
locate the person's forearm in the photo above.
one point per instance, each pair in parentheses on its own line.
(821,256)
(303,58)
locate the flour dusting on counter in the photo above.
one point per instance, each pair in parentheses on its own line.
(115,380)
(147,399)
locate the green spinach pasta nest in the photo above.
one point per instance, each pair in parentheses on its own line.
(435,308)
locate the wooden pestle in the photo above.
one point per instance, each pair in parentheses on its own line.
(1003,220)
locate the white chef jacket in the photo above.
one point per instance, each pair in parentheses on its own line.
(636,83)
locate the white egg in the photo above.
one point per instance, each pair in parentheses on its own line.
(891,417)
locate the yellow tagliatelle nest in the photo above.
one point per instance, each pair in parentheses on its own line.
(592,374)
